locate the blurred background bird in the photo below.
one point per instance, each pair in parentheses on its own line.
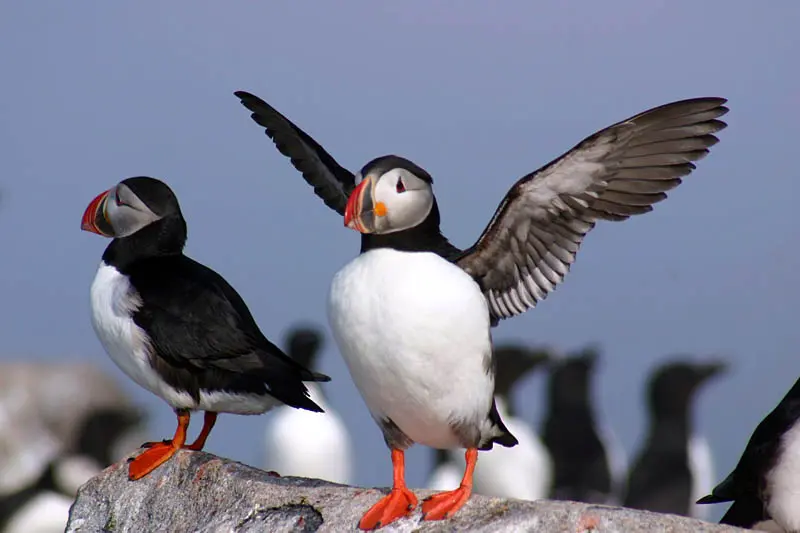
(674,466)
(60,425)
(589,463)
(302,443)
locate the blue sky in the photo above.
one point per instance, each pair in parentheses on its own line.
(478,95)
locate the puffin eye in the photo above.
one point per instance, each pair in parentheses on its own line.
(118,199)
(400,186)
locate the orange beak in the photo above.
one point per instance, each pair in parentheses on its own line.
(356,208)
(94,218)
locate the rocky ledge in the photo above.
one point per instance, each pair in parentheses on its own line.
(199,492)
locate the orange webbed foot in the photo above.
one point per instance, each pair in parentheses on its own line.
(445,504)
(398,503)
(155,455)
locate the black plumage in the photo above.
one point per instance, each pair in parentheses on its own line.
(202,334)
(582,471)
(661,478)
(748,486)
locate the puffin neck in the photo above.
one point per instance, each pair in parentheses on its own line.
(166,236)
(424,237)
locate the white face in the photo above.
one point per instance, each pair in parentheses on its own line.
(407,200)
(125,212)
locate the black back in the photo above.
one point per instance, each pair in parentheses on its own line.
(581,469)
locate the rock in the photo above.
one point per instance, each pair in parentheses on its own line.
(199,492)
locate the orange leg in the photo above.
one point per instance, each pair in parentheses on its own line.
(209,419)
(445,504)
(157,453)
(395,505)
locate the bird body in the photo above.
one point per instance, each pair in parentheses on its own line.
(765,485)
(429,373)
(302,443)
(412,314)
(674,461)
(176,327)
(586,460)
(306,444)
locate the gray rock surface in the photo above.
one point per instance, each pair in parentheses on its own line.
(199,492)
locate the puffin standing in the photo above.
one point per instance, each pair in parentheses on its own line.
(523,472)
(589,463)
(176,327)
(765,485)
(674,467)
(412,314)
(299,443)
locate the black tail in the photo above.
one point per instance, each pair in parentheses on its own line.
(505,438)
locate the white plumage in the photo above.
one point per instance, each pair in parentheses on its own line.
(783,482)
(701,466)
(302,443)
(414,332)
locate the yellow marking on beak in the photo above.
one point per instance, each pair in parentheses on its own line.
(380,209)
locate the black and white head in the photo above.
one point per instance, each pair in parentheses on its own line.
(393,195)
(129,206)
(673,385)
(304,344)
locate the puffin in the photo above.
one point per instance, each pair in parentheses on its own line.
(523,472)
(675,466)
(300,443)
(588,460)
(176,327)
(412,314)
(765,485)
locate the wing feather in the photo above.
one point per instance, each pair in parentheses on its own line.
(332,182)
(623,170)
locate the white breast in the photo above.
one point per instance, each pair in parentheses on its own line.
(113,301)
(783,482)
(314,445)
(414,332)
(701,466)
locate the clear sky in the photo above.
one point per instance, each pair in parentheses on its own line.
(478,95)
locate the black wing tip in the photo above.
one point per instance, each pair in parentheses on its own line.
(711,498)
(319,377)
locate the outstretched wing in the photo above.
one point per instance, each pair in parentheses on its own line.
(533,237)
(332,182)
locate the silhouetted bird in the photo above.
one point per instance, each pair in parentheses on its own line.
(523,471)
(674,467)
(765,485)
(302,443)
(589,464)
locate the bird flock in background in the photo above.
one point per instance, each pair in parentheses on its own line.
(411,315)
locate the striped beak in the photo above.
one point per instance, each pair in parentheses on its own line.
(95,218)
(359,214)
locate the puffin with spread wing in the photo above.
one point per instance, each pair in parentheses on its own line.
(412,313)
